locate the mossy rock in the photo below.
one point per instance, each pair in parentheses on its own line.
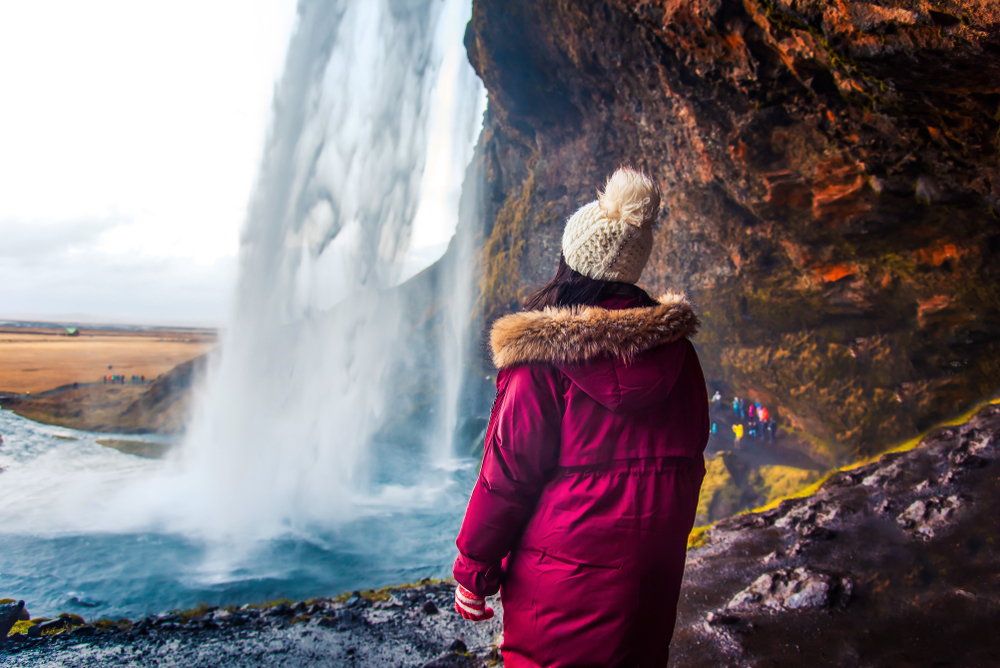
(137,448)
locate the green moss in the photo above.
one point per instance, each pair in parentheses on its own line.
(500,288)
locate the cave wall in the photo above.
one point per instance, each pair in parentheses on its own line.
(830,178)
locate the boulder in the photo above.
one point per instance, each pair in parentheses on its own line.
(10,614)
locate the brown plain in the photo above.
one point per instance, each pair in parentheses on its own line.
(39,359)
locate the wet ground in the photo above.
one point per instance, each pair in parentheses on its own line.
(408,627)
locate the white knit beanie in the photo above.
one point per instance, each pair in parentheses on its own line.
(610,239)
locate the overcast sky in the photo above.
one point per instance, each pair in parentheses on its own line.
(130,135)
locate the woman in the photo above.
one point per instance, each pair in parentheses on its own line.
(593,459)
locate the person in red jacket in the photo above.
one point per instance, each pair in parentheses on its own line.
(593,456)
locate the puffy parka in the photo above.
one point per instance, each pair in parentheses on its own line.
(589,484)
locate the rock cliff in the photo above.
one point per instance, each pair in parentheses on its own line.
(830,177)
(863,572)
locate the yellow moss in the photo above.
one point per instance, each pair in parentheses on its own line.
(717,481)
(779,482)
(271,604)
(697,537)
(20,627)
(193,613)
(384,593)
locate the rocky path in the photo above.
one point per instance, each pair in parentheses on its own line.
(413,626)
(892,564)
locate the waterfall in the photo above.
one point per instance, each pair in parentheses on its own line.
(331,366)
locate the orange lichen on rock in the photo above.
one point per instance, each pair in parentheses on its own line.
(937,254)
(836,189)
(833,272)
(785,188)
(931,305)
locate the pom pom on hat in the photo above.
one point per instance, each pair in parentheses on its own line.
(611,239)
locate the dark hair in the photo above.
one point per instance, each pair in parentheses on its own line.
(571,288)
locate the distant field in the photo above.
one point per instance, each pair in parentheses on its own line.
(38,359)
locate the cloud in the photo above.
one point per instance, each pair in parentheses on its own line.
(95,285)
(31,241)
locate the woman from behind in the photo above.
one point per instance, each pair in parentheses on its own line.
(594,453)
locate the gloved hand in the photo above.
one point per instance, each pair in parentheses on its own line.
(471,606)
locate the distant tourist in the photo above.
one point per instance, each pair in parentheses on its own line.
(736,407)
(738,432)
(572,450)
(717,399)
(743,409)
(772,428)
(715,429)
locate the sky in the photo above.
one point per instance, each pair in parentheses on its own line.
(130,136)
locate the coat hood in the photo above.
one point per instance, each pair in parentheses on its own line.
(595,347)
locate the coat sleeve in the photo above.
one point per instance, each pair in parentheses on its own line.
(522,449)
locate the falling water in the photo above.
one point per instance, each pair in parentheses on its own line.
(375,122)
(319,457)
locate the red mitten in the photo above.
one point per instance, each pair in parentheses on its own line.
(471,606)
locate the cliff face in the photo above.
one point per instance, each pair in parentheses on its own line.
(830,177)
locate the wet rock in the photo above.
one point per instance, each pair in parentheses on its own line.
(967,460)
(280,610)
(350,618)
(721,619)
(85,630)
(10,613)
(816,533)
(456,656)
(926,517)
(430,608)
(793,590)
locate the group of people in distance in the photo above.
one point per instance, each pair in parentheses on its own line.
(120,379)
(759,423)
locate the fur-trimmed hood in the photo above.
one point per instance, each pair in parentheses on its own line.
(577,334)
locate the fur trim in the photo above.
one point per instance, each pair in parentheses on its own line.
(630,197)
(568,335)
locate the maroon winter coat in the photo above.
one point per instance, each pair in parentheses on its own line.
(589,482)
